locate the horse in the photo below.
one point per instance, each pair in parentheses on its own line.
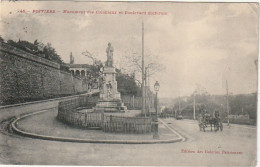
(212,121)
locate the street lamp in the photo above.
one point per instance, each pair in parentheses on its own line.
(156,88)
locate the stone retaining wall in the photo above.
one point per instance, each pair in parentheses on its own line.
(27,77)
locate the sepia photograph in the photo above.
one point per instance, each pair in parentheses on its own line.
(128,83)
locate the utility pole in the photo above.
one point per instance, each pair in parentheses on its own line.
(179,106)
(227,102)
(194,107)
(148,88)
(143,90)
(148,73)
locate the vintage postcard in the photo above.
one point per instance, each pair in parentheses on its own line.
(128,83)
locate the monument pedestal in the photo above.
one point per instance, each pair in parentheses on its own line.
(112,105)
(110,100)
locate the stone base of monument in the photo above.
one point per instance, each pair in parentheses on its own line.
(110,105)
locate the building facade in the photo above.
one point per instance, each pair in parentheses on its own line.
(80,70)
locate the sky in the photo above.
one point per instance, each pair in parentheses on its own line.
(206,44)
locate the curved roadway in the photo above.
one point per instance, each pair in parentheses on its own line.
(238,143)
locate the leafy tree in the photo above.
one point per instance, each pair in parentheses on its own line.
(1,39)
(13,43)
(39,49)
(126,84)
(168,110)
(27,46)
(50,53)
(238,104)
(244,104)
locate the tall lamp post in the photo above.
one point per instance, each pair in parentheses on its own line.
(156,88)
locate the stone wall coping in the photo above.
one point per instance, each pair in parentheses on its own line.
(65,72)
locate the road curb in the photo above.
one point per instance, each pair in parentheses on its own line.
(174,131)
(77,140)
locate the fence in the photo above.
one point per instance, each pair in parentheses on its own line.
(240,121)
(94,119)
(79,102)
(69,113)
(127,124)
(133,102)
(75,119)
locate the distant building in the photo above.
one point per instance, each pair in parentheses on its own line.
(80,70)
(90,74)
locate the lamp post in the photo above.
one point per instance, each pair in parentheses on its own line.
(156,88)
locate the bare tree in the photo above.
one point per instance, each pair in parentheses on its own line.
(200,90)
(132,63)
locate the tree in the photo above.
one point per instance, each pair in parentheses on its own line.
(1,39)
(132,63)
(39,49)
(127,85)
(244,104)
(50,53)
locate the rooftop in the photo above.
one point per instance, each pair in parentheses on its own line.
(78,65)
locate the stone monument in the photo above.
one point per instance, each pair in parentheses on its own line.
(110,100)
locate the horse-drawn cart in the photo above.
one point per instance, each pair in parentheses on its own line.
(209,121)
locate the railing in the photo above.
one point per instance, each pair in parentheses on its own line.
(74,119)
(69,113)
(94,119)
(74,104)
(127,124)
(81,120)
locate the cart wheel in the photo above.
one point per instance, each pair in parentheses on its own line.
(216,128)
(221,126)
(201,127)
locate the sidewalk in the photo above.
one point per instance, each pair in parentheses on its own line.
(46,124)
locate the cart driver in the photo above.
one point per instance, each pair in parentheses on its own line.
(216,114)
(205,115)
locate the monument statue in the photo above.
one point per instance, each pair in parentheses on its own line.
(109,51)
(109,98)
